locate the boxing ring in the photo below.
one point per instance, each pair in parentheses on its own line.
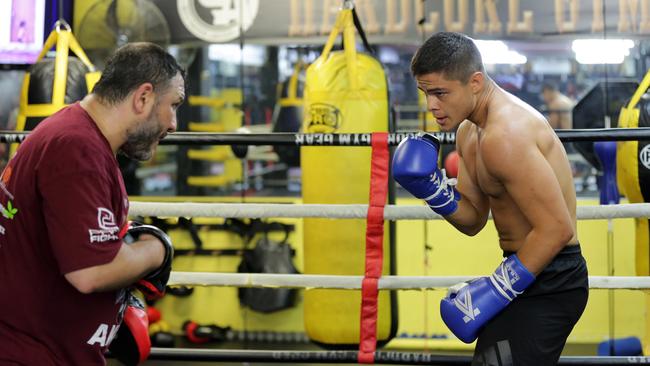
(354,211)
(417,283)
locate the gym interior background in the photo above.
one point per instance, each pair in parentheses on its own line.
(246,62)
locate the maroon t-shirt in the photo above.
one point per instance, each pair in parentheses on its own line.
(63,204)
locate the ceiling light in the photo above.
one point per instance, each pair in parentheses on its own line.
(497,52)
(601,51)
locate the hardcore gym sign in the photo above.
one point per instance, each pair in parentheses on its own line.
(401,20)
(485,17)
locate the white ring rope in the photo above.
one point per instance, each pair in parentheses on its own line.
(354,282)
(353,211)
(392,212)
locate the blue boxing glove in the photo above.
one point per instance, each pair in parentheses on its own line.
(415,167)
(468,306)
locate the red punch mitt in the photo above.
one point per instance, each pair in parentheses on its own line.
(132,345)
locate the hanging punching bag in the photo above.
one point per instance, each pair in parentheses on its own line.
(345,92)
(287,116)
(633,171)
(51,84)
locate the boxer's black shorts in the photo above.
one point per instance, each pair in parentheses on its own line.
(533,329)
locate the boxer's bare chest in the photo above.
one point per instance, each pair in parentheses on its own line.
(478,170)
(508,219)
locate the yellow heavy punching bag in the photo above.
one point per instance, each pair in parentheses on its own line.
(633,174)
(345,92)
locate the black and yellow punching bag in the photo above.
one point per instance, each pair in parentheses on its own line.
(345,92)
(287,116)
(633,175)
(52,83)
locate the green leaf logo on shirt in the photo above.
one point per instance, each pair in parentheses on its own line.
(10,211)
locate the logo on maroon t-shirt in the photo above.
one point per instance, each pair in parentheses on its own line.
(108,230)
(7,209)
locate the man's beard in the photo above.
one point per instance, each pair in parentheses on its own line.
(139,142)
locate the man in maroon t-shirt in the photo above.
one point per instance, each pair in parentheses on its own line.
(63,265)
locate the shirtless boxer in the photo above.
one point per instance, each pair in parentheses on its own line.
(512,164)
(559,107)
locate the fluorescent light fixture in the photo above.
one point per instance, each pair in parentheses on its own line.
(601,51)
(253,55)
(497,52)
(388,55)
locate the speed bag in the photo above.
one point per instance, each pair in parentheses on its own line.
(345,92)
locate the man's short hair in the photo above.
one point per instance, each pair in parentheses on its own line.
(452,54)
(133,65)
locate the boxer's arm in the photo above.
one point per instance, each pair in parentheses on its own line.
(531,183)
(473,207)
(131,263)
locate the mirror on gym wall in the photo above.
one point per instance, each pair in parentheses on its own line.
(576,62)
